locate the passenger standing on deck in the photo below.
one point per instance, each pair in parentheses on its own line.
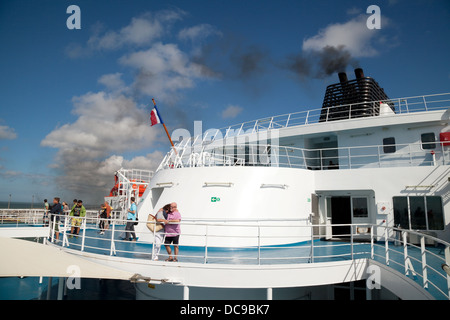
(78,212)
(131,218)
(161,218)
(108,215)
(172,230)
(55,213)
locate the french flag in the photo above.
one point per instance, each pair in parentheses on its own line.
(155,118)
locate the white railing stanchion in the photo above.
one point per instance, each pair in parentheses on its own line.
(371,244)
(53,228)
(424,262)
(312,245)
(65,240)
(206,245)
(405,252)
(259,245)
(84,233)
(447,261)
(386,244)
(351,241)
(112,250)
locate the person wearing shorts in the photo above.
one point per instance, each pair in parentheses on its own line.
(77,213)
(172,230)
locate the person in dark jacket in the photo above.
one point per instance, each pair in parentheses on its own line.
(54,216)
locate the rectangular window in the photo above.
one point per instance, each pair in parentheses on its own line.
(428,140)
(419,213)
(434,213)
(401,216)
(389,145)
(359,206)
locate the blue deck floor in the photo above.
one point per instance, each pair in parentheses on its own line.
(323,251)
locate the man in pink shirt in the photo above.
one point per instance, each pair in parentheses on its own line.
(172,230)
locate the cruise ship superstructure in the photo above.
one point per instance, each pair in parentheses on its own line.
(302,204)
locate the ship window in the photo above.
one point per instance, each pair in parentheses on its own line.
(428,140)
(434,213)
(401,217)
(389,145)
(359,207)
(420,213)
(417,212)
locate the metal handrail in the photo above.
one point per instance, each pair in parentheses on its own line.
(401,105)
(413,261)
(411,154)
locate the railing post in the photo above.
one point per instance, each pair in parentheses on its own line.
(206,245)
(287,121)
(84,234)
(349,159)
(259,245)
(405,252)
(443,153)
(53,228)
(379,156)
(371,244)
(65,241)
(153,244)
(447,261)
(113,231)
(351,240)
(425,103)
(312,244)
(424,262)
(386,244)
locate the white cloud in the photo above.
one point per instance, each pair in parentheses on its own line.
(197,33)
(113,82)
(163,70)
(7,133)
(106,125)
(353,35)
(231,112)
(141,31)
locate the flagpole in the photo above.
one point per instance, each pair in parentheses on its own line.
(167,132)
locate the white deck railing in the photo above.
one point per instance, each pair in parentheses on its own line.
(401,105)
(372,156)
(416,255)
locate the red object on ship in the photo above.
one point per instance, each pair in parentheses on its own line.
(445,137)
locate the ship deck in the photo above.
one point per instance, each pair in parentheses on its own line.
(391,253)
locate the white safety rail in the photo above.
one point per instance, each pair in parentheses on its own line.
(23,217)
(417,256)
(401,106)
(370,156)
(18,217)
(129,182)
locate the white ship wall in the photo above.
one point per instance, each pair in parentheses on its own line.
(244,193)
(384,184)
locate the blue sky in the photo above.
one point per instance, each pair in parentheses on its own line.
(74,104)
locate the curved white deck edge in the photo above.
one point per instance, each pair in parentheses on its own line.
(27,258)
(400,285)
(239,276)
(255,276)
(24,232)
